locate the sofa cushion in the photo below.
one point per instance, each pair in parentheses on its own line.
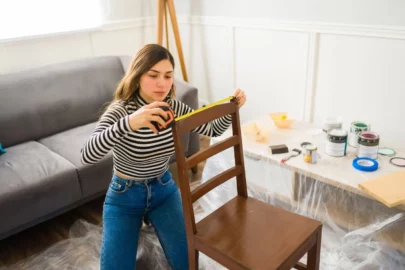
(34,181)
(44,101)
(93,178)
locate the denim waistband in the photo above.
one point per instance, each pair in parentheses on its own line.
(140,181)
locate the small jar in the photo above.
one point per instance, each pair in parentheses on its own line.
(310,153)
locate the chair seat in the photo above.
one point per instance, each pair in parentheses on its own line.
(255,234)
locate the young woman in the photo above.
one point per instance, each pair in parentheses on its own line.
(142,185)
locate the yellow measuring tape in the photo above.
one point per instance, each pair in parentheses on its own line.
(204,108)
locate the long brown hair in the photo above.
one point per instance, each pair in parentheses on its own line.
(148,56)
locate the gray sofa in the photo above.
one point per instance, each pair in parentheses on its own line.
(46,114)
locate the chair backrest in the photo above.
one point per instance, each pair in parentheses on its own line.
(184,164)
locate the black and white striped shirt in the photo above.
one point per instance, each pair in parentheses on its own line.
(139,154)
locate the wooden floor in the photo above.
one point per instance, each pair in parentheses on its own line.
(31,242)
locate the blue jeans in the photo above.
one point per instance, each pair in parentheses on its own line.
(126,203)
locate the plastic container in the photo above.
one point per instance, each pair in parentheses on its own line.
(283,123)
(278,116)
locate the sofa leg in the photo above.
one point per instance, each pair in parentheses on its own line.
(194,169)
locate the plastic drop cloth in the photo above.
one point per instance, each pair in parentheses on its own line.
(358,232)
(82,251)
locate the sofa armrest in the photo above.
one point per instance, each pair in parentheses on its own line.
(125,61)
(186,93)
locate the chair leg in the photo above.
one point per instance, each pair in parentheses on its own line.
(193,260)
(314,253)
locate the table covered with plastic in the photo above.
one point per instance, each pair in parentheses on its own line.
(359,232)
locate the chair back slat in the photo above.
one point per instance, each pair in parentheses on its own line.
(211,151)
(187,124)
(214,182)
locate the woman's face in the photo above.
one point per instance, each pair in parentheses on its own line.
(156,83)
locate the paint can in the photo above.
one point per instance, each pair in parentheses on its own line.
(368,143)
(310,153)
(355,129)
(330,123)
(337,143)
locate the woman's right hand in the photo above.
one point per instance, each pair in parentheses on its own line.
(148,113)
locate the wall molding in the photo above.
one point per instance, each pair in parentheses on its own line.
(130,23)
(312,68)
(263,23)
(63,34)
(308,27)
(257,23)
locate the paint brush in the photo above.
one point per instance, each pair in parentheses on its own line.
(295,152)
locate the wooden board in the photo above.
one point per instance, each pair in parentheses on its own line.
(388,189)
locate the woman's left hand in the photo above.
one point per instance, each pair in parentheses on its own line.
(240,97)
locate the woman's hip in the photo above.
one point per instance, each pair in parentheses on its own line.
(139,194)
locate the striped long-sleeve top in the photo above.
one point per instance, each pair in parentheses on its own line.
(141,153)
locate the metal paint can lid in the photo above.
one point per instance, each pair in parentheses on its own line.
(303,144)
(398,161)
(310,147)
(385,151)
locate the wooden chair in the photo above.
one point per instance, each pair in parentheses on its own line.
(245,233)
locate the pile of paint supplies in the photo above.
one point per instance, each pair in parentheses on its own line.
(360,137)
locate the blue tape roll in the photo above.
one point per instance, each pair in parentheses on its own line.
(365,164)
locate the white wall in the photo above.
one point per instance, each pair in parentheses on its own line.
(362,78)
(115,10)
(313,60)
(272,70)
(366,12)
(310,58)
(116,37)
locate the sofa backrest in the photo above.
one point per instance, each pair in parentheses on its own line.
(44,101)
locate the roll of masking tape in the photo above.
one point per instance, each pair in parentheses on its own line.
(365,164)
